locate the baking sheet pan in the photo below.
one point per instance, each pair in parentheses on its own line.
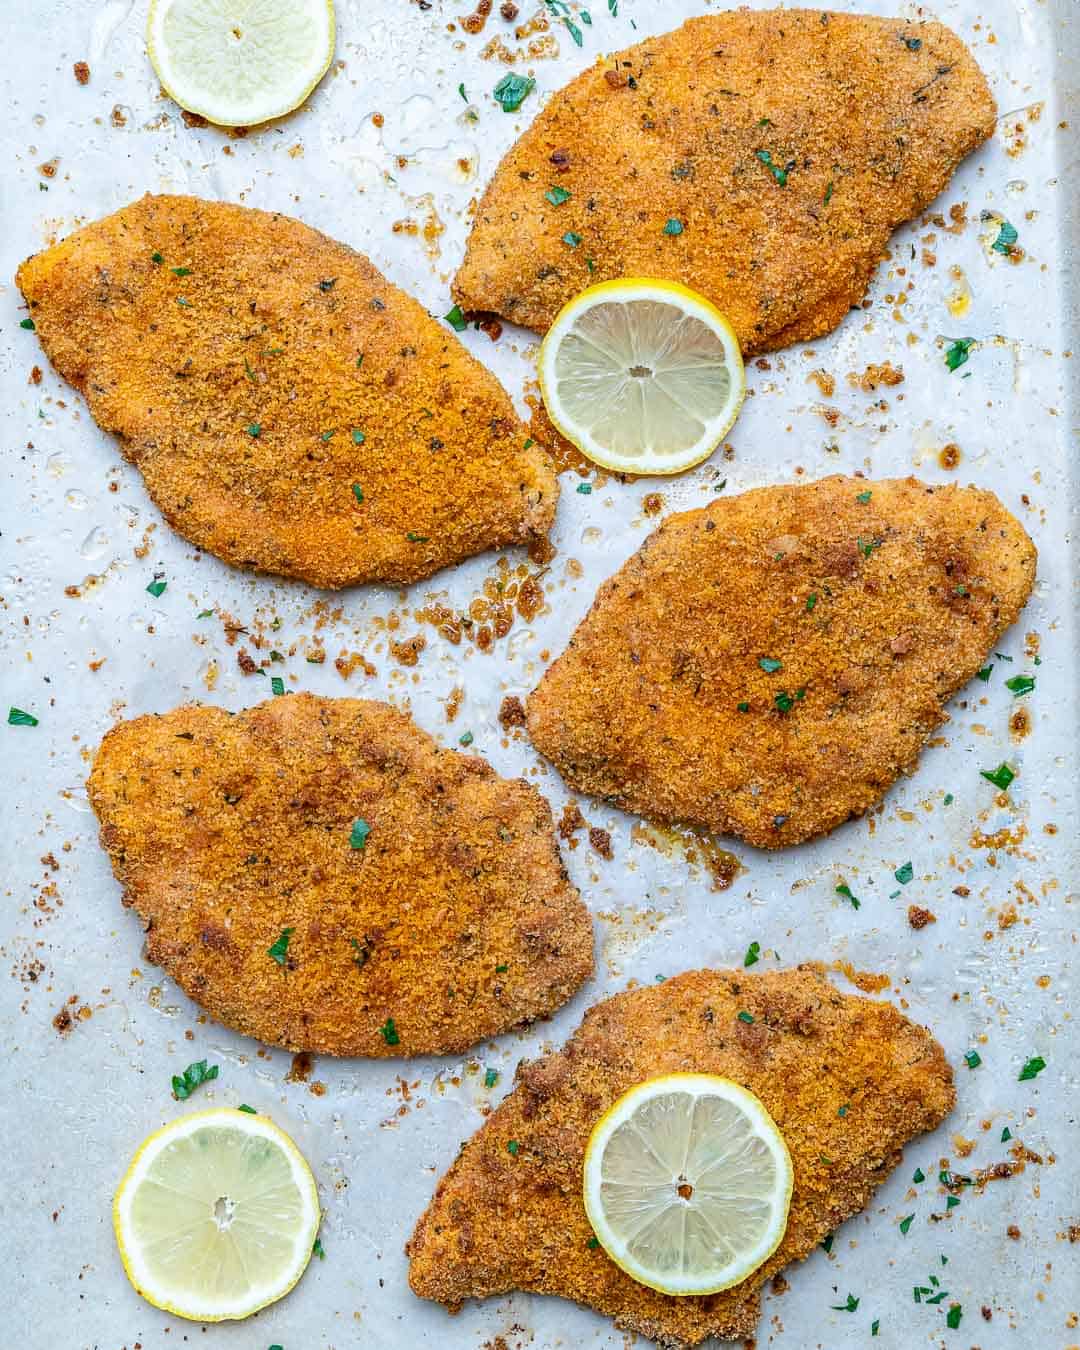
(83,643)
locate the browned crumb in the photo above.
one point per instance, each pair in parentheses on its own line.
(512,712)
(571,820)
(874,375)
(246,662)
(601,842)
(407,652)
(919,917)
(1013,1232)
(82,72)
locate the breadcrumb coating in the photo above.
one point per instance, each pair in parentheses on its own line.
(290,410)
(761,158)
(769,665)
(319,874)
(848,1081)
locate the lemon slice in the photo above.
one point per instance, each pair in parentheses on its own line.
(240,62)
(642,376)
(216,1216)
(688,1183)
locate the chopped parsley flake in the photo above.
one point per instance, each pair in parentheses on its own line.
(358,836)
(183,1085)
(953,1316)
(277,684)
(512,91)
(1020,684)
(919,1175)
(466,739)
(868,547)
(456,319)
(358,492)
(254,430)
(28,324)
(850,1306)
(17,718)
(912,44)
(864,497)
(501,970)
(585,489)
(512,1147)
(905,1224)
(753,954)
(156,588)
(874,1326)
(985,673)
(249,1109)
(157,258)
(414,538)
(1001,777)
(389,1032)
(743,707)
(784,702)
(181,301)
(491,1078)
(1007,236)
(673,227)
(317,1250)
(1032,1069)
(361,953)
(746,1017)
(904,874)
(973,1059)
(571,239)
(845,890)
(557,195)
(811,601)
(180,271)
(948,799)
(461,91)
(278,949)
(825,201)
(328,435)
(956,355)
(826,1246)
(593,1242)
(780,174)
(770,665)
(1006,1135)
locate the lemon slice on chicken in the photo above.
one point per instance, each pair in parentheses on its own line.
(240,62)
(643,376)
(687,1183)
(216,1216)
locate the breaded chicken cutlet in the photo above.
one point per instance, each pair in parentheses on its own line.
(289,409)
(505,1218)
(319,874)
(762,158)
(768,666)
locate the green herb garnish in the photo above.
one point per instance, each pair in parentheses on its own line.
(254,430)
(770,664)
(956,354)
(952,1317)
(456,319)
(1032,1069)
(1006,1135)
(972,1059)
(1020,684)
(17,718)
(673,227)
(183,1085)
(745,1017)
(491,1078)
(905,1224)
(156,588)
(919,1175)
(389,1032)
(512,91)
(28,324)
(850,1306)
(317,1250)
(780,174)
(277,684)
(1007,236)
(1001,777)
(985,673)
(585,489)
(512,1147)
(466,738)
(904,874)
(249,1109)
(358,836)
(784,702)
(571,239)
(414,538)
(753,954)
(358,492)
(276,951)
(557,195)
(811,601)
(845,890)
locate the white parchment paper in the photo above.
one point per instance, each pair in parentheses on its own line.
(993,973)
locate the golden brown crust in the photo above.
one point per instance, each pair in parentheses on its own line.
(274,321)
(456,919)
(504,1220)
(879,600)
(865,118)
